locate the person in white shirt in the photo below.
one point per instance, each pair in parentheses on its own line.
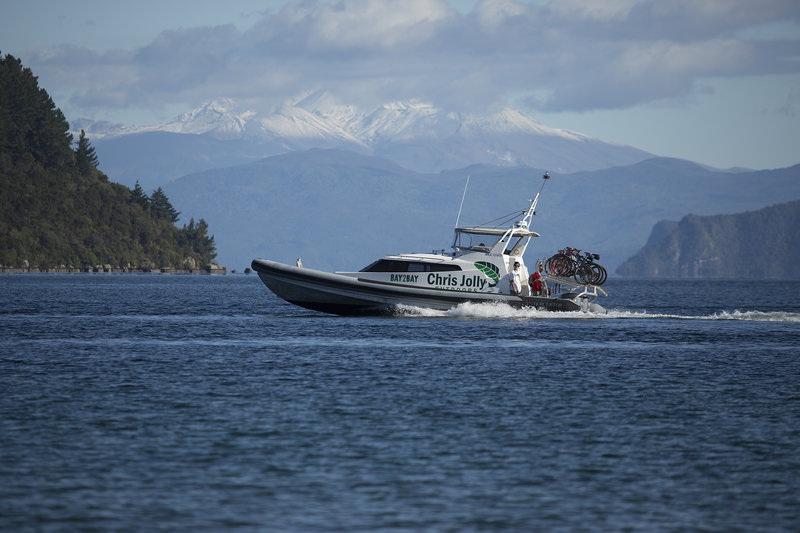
(514,279)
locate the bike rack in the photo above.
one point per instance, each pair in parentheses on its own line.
(590,292)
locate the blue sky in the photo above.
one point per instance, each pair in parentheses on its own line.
(715,81)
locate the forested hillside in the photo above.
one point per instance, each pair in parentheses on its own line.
(752,245)
(57,210)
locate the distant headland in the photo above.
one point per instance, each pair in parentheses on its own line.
(213,269)
(761,244)
(59,213)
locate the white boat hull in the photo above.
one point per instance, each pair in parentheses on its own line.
(346,295)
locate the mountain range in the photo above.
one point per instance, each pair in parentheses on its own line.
(413,134)
(340,210)
(340,186)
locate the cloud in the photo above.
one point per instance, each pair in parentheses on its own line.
(493,14)
(791,106)
(359,24)
(598,11)
(576,55)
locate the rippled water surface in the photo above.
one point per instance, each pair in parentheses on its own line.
(201,403)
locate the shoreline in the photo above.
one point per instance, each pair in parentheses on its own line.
(102,270)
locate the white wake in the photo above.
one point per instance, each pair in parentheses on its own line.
(503,311)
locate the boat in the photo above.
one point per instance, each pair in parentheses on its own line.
(476,271)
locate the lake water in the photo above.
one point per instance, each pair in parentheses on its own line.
(149,402)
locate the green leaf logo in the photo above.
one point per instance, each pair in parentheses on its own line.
(491,271)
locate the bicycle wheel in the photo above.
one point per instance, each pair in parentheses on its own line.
(561,266)
(603,275)
(548,264)
(599,274)
(554,263)
(572,267)
(584,274)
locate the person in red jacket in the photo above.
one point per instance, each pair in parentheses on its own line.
(536,282)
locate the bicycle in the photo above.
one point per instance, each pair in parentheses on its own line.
(569,262)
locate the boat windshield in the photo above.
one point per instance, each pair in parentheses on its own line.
(466,240)
(484,239)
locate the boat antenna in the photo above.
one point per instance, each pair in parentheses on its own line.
(532,209)
(458,217)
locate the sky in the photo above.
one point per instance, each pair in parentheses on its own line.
(712,81)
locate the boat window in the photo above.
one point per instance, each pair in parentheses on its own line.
(476,242)
(388,265)
(515,241)
(436,267)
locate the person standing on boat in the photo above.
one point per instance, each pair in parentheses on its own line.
(514,279)
(538,287)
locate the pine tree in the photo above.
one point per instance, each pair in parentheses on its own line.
(160,205)
(204,244)
(139,197)
(85,158)
(32,129)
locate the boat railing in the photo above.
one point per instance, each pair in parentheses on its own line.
(581,289)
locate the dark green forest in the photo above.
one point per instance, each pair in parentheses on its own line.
(57,210)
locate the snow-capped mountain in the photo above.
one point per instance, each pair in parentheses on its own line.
(413,134)
(297,123)
(317,118)
(222,117)
(513,121)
